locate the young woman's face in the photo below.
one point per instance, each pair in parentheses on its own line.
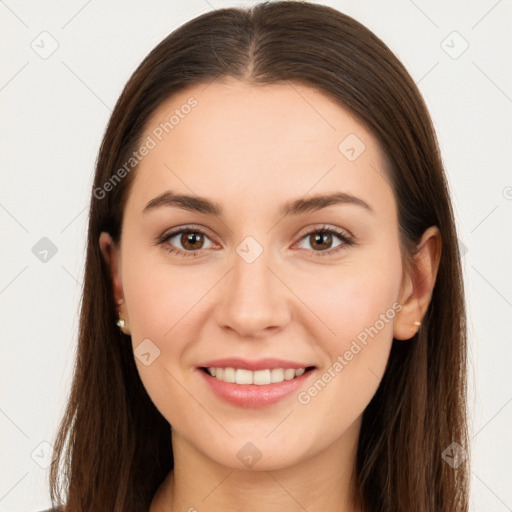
(266,273)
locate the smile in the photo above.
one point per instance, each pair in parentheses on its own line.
(255,389)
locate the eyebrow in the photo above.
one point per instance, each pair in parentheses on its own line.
(299,206)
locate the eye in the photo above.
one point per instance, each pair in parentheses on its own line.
(191,239)
(194,239)
(321,240)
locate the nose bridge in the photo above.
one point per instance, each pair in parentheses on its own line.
(253,299)
(251,275)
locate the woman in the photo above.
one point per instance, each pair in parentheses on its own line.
(273,312)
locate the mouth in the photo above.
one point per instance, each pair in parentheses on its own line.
(255,388)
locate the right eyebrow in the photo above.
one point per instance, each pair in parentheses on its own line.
(185,202)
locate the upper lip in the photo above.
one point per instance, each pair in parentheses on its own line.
(257,364)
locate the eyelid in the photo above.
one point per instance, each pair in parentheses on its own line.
(344,233)
(188,227)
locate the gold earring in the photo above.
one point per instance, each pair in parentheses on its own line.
(416,324)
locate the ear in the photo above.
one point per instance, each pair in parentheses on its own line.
(418,285)
(111,255)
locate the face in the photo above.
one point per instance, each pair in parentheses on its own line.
(263,273)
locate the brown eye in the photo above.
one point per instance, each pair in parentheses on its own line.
(185,241)
(192,240)
(321,240)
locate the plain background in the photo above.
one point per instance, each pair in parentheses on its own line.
(54,109)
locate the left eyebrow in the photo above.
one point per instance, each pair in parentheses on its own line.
(319,202)
(303,205)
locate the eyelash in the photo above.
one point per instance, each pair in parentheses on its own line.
(347,240)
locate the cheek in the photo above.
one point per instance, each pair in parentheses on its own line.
(359,305)
(355,298)
(163,304)
(160,296)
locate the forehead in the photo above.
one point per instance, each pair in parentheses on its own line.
(277,116)
(230,136)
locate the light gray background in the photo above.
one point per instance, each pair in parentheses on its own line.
(55,109)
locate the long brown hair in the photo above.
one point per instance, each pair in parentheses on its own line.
(113,447)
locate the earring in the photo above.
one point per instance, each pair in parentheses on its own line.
(416,324)
(121,323)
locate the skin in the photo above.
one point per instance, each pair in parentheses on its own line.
(250,149)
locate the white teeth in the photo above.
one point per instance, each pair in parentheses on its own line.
(289,374)
(243,376)
(258,377)
(276,375)
(261,377)
(228,375)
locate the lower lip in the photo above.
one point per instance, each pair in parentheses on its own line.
(253,395)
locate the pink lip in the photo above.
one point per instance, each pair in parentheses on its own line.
(253,395)
(260,364)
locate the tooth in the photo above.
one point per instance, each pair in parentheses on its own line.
(213,371)
(262,377)
(219,373)
(276,375)
(299,372)
(289,373)
(243,376)
(228,375)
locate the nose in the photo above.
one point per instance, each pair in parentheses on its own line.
(253,301)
